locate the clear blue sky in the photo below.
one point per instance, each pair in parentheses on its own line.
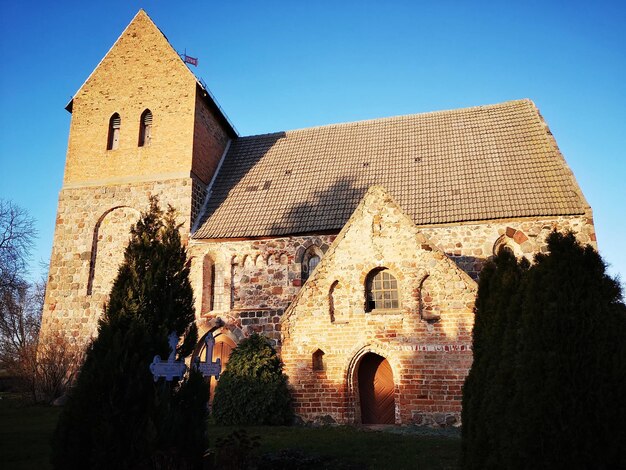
(292,64)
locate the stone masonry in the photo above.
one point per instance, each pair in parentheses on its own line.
(256,212)
(105,190)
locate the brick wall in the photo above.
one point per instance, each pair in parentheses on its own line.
(429,357)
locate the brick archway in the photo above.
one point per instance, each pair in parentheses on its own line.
(353,388)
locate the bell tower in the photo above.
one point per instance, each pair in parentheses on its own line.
(142,125)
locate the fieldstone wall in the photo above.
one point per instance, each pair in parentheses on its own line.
(250,283)
(92,231)
(251,278)
(471,244)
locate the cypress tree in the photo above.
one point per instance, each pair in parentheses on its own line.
(253,389)
(116,415)
(571,364)
(489,383)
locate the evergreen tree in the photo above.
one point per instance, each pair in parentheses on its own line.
(489,383)
(253,389)
(116,415)
(571,364)
(547,384)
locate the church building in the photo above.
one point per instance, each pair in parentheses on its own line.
(355,248)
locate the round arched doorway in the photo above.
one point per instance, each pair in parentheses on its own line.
(376,390)
(223,346)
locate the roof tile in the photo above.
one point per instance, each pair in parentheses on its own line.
(486,162)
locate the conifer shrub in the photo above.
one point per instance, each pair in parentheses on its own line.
(253,389)
(568,406)
(547,384)
(489,384)
(117,416)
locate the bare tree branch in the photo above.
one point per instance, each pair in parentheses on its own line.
(17,236)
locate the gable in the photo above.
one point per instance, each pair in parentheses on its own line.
(380,235)
(140,72)
(488,162)
(140,51)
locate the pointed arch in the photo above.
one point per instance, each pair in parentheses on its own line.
(317,360)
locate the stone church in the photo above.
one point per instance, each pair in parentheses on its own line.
(355,248)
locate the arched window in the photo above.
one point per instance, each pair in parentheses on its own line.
(311,258)
(113,140)
(381,291)
(504,243)
(145,129)
(208,284)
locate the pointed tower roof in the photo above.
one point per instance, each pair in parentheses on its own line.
(143,26)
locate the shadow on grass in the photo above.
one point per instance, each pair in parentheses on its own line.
(25,432)
(347,447)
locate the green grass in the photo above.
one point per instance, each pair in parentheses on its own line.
(364,449)
(25,432)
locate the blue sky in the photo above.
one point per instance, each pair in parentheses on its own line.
(285,65)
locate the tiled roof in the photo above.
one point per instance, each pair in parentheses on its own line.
(486,162)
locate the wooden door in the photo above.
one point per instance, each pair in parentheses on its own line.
(376,390)
(223,346)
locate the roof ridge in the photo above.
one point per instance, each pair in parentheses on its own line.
(392,118)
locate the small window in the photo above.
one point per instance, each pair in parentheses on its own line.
(381,291)
(318,360)
(310,260)
(145,129)
(113,140)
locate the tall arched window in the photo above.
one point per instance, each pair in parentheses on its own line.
(145,129)
(212,285)
(381,291)
(113,140)
(208,284)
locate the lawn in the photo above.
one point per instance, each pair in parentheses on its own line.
(25,434)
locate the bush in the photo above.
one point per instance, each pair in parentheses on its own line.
(116,415)
(56,363)
(547,384)
(253,389)
(490,383)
